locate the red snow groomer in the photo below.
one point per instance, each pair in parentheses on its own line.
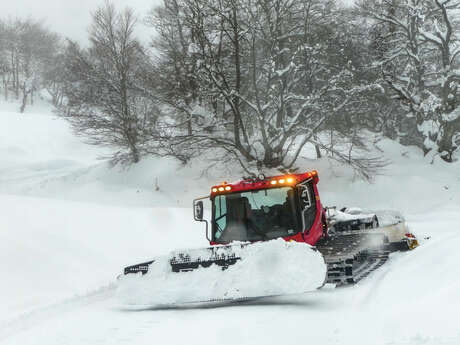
(288,207)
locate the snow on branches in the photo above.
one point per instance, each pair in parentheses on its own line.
(258,79)
(420,64)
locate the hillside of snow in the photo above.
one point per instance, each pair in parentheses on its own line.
(69,223)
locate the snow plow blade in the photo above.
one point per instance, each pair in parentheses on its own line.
(223,273)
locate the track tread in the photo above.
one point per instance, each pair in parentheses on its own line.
(350,257)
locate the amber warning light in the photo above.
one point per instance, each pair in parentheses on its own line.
(222,188)
(283,180)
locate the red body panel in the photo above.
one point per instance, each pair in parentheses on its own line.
(319,227)
(311,236)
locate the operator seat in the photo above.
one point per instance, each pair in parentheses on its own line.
(287,217)
(247,212)
(238,210)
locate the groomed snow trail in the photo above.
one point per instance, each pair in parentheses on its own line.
(397,304)
(69,224)
(28,320)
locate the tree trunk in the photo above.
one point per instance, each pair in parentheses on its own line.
(236,113)
(17,80)
(13,70)
(24,99)
(5,86)
(445,145)
(135,154)
(318,151)
(189,126)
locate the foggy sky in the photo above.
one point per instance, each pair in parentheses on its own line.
(71,18)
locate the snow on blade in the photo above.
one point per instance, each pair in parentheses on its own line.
(266,269)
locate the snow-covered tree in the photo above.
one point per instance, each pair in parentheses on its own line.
(27,50)
(420,64)
(258,79)
(105,98)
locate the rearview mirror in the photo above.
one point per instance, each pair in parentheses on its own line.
(198,210)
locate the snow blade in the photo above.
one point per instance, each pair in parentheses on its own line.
(232,272)
(222,256)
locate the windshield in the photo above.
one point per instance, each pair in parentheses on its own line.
(255,215)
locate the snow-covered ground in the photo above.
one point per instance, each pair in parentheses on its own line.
(69,223)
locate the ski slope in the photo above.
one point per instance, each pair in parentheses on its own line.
(69,223)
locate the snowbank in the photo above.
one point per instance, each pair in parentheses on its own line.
(51,250)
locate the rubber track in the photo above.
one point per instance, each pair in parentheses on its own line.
(353,256)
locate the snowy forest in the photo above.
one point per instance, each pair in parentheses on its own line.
(252,81)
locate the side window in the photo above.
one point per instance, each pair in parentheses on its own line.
(220,215)
(307,205)
(305,196)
